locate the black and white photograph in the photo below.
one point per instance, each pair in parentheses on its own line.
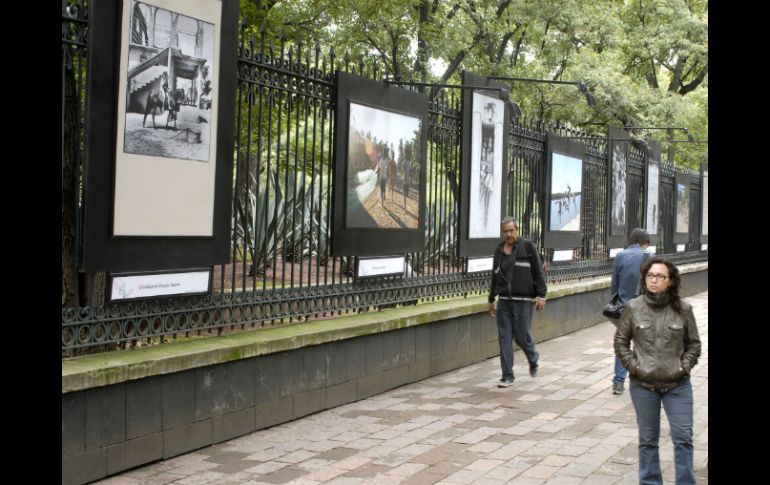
(486,167)
(159,196)
(483,171)
(682,208)
(383,169)
(566,183)
(169,90)
(165,152)
(618,212)
(653,175)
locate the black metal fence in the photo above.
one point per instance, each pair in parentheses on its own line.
(281,269)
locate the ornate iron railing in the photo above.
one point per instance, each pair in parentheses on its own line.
(281,269)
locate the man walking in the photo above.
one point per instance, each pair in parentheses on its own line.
(625,282)
(518,280)
(383,173)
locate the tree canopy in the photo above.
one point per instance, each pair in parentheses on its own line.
(644,61)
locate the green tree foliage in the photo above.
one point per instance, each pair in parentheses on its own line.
(645,61)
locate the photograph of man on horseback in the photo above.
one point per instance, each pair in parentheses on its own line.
(169,54)
(163,100)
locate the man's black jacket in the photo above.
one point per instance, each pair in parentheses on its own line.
(519,275)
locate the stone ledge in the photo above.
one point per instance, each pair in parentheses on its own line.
(86,372)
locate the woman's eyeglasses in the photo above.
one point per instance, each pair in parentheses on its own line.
(656,277)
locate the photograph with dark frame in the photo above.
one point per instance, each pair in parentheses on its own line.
(682,208)
(618,213)
(486,167)
(705,205)
(653,176)
(161,211)
(168,59)
(383,169)
(379,163)
(169,90)
(566,191)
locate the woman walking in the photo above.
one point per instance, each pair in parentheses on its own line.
(666,348)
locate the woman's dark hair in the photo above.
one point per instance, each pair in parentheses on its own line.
(673,274)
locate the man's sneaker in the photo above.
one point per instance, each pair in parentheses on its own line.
(617,387)
(533,367)
(505,382)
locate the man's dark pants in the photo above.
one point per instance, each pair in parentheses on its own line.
(514,322)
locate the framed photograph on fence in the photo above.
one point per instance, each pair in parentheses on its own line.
(617,168)
(484,175)
(652,194)
(160,134)
(379,171)
(682,194)
(704,218)
(652,198)
(564,192)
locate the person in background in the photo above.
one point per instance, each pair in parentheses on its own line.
(168,100)
(666,347)
(382,172)
(407,177)
(392,169)
(518,281)
(625,282)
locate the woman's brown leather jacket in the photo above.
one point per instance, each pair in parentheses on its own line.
(666,343)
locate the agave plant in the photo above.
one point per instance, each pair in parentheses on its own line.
(440,234)
(281,214)
(305,216)
(440,220)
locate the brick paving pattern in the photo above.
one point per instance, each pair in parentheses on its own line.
(563,427)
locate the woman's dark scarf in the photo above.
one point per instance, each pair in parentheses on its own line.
(658,300)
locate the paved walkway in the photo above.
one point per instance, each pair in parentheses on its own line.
(563,427)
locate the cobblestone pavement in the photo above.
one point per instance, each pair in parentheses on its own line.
(563,427)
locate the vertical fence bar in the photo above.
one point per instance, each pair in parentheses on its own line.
(297,189)
(319,256)
(667,206)
(271,189)
(325,106)
(236,195)
(257,220)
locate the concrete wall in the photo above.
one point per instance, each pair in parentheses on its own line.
(116,427)
(122,410)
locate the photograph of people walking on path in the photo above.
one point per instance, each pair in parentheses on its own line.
(486,167)
(382,164)
(566,183)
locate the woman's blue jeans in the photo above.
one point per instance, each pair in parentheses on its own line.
(678,404)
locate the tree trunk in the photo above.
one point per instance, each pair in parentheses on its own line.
(421,62)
